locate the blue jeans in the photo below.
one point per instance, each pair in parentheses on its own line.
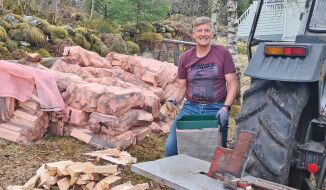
(192,109)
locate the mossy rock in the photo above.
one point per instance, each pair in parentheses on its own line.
(114,42)
(97,45)
(81,30)
(25,32)
(14,19)
(146,27)
(43,52)
(151,36)
(3,48)
(130,28)
(167,35)
(58,33)
(132,47)
(5,24)
(80,40)
(44,26)
(3,34)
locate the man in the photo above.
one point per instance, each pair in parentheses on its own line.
(206,76)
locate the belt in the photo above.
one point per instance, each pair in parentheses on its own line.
(206,102)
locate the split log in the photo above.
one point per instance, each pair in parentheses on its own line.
(149,99)
(104,99)
(141,132)
(76,117)
(7,107)
(108,182)
(83,57)
(113,126)
(24,127)
(64,67)
(155,128)
(102,141)
(128,186)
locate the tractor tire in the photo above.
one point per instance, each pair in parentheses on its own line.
(272,109)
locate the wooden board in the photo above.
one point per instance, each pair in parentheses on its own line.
(178,172)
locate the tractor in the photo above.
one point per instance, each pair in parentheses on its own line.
(286,103)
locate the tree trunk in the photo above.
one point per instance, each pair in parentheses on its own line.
(216,10)
(232,28)
(138,12)
(92,10)
(1,7)
(56,10)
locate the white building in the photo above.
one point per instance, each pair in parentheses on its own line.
(279,20)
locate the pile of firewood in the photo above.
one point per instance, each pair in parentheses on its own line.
(111,101)
(114,104)
(24,122)
(83,175)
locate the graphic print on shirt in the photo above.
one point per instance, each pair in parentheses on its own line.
(203,79)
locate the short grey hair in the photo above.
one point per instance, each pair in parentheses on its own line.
(201,20)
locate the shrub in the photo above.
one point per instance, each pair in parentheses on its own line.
(5,24)
(132,47)
(27,49)
(97,45)
(146,27)
(150,36)
(3,34)
(81,30)
(167,35)
(43,52)
(80,40)
(11,45)
(241,49)
(3,49)
(99,25)
(58,33)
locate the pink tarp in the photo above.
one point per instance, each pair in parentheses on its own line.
(18,81)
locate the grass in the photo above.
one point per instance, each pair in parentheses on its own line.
(20,162)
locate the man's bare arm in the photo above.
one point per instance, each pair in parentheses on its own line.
(180,91)
(232,85)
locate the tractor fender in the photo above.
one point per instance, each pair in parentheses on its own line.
(292,69)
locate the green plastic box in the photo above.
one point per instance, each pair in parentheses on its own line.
(197,122)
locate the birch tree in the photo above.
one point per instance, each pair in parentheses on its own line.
(56,4)
(216,7)
(1,7)
(92,9)
(232,28)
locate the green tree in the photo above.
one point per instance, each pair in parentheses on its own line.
(131,10)
(101,7)
(242,6)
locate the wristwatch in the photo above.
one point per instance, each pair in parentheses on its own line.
(227,107)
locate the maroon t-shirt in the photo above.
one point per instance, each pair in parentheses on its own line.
(205,75)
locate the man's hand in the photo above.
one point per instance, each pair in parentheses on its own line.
(170,109)
(172,106)
(223,116)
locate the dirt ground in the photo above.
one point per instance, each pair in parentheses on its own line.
(19,163)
